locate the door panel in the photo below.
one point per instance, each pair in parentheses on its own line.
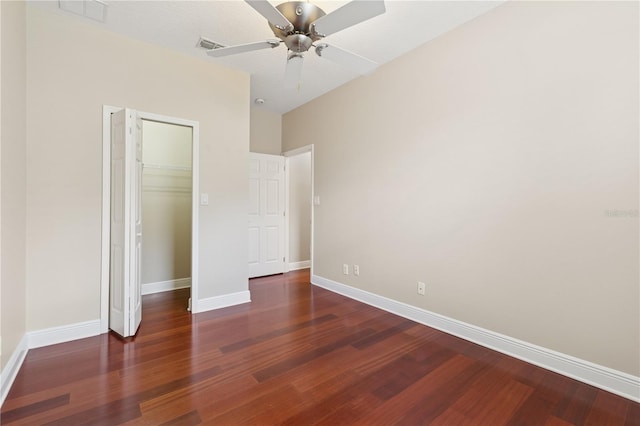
(125,300)
(136,190)
(266,214)
(254,197)
(254,245)
(272,243)
(273,198)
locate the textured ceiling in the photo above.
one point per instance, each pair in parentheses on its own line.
(179,24)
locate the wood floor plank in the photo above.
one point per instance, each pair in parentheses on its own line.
(549,390)
(446,379)
(229,393)
(298,355)
(297,361)
(34,408)
(351,411)
(555,421)
(271,408)
(478,405)
(575,407)
(128,408)
(191,418)
(242,344)
(607,410)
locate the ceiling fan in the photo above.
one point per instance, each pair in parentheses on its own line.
(300,25)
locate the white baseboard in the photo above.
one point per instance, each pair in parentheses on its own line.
(65,333)
(611,380)
(160,286)
(303,264)
(10,370)
(223,301)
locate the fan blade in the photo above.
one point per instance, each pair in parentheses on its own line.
(293,71)
(350,14)
(347,59)
(241,48)
(273,15)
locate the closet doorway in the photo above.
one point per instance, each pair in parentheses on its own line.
(166,206)
(160,244)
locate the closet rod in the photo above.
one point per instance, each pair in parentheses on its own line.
(165,167)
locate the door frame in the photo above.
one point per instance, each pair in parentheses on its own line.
(106,204)
(287,154)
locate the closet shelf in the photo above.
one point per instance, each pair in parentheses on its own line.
(165,167)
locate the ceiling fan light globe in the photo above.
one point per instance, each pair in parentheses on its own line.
(298,42)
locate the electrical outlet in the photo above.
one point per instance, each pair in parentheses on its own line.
(345,269)
(356,270)
(421,288)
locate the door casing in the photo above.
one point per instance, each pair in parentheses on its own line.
(106,205)
(287,155)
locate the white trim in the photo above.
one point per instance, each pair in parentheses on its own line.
(65,333)
(293,153)
(313,208)
(294,266)
(611,380)
(287,213)
(162,286)
(10,370)
(195,211)
(298,151)
(223,301)
(106,204)
(106,214)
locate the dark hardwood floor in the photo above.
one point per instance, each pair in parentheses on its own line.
(296,355)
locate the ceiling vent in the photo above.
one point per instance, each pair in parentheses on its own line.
(207,44)
(92,9)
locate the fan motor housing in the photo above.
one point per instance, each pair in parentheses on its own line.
(301,15)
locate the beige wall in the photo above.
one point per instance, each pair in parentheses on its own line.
(81,68)
(300,207)
(166,202)
(266,131)
(491,163)
(13,190)
(166,144)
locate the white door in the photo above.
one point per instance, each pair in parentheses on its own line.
(125,301)
(266,214)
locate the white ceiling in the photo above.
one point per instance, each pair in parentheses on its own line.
(179,24)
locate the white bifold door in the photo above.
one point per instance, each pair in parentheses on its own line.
(125,295)
(266,214)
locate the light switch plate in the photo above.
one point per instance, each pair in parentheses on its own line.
(204,199)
